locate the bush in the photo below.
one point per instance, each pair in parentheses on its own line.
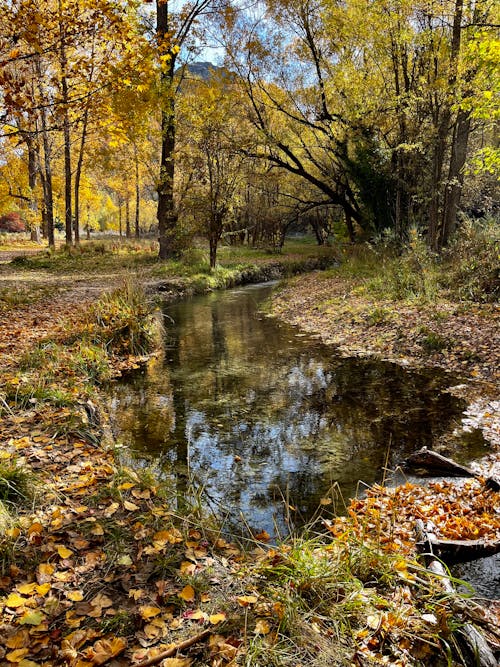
(123,322)
(472,262)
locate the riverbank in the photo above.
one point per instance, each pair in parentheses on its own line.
(99,565)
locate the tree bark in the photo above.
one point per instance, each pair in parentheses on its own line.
(127,217)
(137,194)
(166,213)
(32,174)
(48,194)
(455,176)
(63,62)
(78,173)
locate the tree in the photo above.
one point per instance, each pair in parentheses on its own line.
(173,30)
(215,133)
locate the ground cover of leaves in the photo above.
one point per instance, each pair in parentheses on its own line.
(98,567)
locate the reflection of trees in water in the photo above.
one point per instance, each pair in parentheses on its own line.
(238,385)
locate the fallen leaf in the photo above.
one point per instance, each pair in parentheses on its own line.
(131,507)
(32,618)
(14,600)
(63,551)
(187,593)
(217,618)
(17,655)
(105,649)
(149,612)
(245,600)
(74,596)
(262,627)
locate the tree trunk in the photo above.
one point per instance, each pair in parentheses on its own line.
(167,217)
(48,195)
(78,173)
(127,218)
(455,176)
(32,173)
(66,131)
(137,195)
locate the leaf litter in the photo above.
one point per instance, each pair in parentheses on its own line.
(97,568)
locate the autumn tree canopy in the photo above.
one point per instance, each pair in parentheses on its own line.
(368,117)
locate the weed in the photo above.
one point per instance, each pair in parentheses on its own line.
(122,322)
(378,316)
(15,483)
(121,624)
(434,342)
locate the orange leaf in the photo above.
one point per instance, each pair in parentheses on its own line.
(245,600)
(105,649)
(187,593)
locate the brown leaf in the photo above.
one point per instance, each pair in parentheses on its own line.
(105,649)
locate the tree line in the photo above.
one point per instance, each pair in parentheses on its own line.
(358,117)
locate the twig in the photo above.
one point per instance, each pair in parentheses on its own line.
(173,649)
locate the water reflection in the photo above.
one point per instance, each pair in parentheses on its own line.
(267,421)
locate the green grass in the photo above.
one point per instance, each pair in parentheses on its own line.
(16,483)
(469,270)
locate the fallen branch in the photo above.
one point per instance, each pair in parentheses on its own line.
(436,463)
(476,643)
(174,649)
(463,551)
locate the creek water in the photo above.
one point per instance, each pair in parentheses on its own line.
(269,423)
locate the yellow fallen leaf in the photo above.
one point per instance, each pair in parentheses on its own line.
(45,572)
(63,551)
(163,537)
(126,485)
(187,567)
(148,612)
(17,655)
(262,627)
(14,600)
(245,600)
(131,507)
(187,593)
(27,589)
(43,589)
(217,618)
(111,509)
(74,596)
(176,662)
(28,663)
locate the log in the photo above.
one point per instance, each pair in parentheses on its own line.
(463,551)
(442,465)
(476,644)
(434,462)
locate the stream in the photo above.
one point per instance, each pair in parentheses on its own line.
(269,425)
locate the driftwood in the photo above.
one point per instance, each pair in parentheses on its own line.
(173,649)
(462,551)
(476,644)
(436,463)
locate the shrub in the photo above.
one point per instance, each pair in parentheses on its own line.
(472,262)
(123,322)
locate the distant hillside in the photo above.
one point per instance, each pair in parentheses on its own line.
(204,70)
